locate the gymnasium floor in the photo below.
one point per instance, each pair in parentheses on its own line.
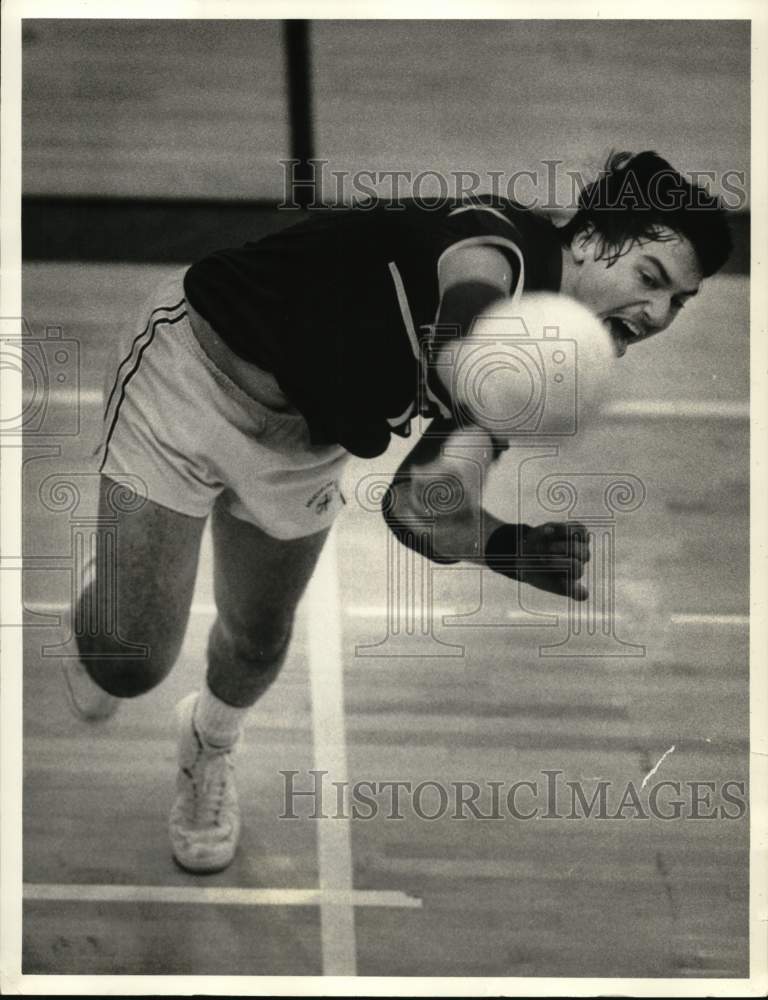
(414,897)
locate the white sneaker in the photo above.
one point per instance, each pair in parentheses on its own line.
(204,825)
(86,699)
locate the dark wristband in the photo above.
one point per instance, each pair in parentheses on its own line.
(504,548)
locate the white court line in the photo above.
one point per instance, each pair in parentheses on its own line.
(62,607)
(738,620)
(648,409)
(203,608)
(376,612)
(334,841)
(220,895)
(93,397)
(681,409)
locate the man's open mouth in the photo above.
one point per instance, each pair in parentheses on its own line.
(623,331)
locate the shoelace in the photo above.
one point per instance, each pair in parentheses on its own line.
(208,796)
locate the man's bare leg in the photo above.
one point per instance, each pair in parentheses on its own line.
(155,566)
(258,582)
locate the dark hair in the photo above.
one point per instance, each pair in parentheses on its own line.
(638,195)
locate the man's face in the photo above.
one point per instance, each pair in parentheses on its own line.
(641,292)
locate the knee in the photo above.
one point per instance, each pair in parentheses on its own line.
(126,674)
(260,648)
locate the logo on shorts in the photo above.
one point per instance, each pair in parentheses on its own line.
(323,498)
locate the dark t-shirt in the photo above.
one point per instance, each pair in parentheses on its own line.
(342,307)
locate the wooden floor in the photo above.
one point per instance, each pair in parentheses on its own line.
(471,897)
(189,109)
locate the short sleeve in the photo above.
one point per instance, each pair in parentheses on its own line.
(483,225)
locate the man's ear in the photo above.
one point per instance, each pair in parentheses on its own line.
(581,243)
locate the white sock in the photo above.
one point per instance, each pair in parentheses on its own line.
(218,723)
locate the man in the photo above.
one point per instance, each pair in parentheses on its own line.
(247,384)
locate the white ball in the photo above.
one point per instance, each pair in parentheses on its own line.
(537,366)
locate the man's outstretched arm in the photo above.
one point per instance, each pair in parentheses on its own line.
(435,502)
(435,506)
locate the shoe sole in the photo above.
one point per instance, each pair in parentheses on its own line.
(190,870)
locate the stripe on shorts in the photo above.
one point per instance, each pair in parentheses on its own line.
(148,335)
(145,333)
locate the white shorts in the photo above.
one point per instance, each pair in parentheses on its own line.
(189,433)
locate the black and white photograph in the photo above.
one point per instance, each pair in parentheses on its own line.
(377,479)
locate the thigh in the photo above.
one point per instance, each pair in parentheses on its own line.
(144,575)
(259,579)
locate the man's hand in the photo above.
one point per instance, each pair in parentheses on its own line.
(550,556)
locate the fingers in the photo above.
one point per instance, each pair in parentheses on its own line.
(576,530)
(572,548)
(569,540)
(555,531)
(578,591)
(563,584)
(559,551)
(578,537)
(563,527)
